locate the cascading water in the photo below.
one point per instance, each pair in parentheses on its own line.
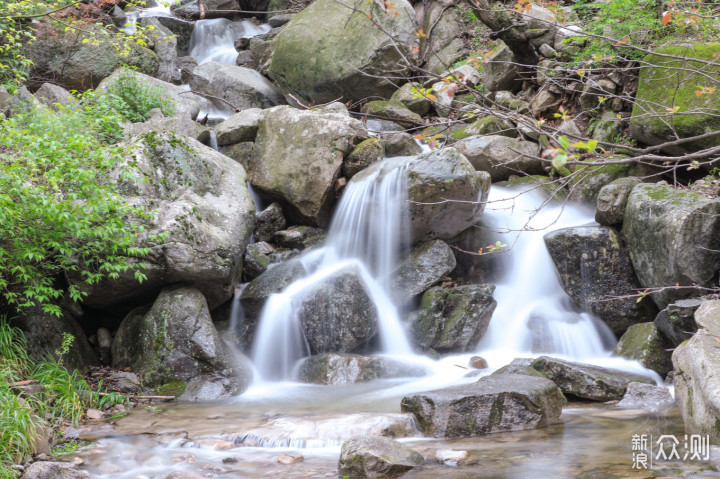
(214,40)
(366,234)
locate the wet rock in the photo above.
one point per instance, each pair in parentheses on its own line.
(521,366)
(177,350)
(297,157)
(639,395)
(393,111)
(644,343)
(333,368)
(256,260)
(338,315)
(268,222)
(290,458)
(327,51)
(365,154)
(672,236)
(495,403)
(376,456)
(586,381)
(411,95)
(54,470)
(453,319)
(165,47)
(210,8)
(677,322)
(300,237)
(586,183)
(478,362)
(501,156)
(697,375)
(274,280)
(184,475)
(594,265)
(428,263)
(612,200)
(400,144)
(242,126)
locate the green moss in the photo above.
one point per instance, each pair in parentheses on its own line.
(171,388)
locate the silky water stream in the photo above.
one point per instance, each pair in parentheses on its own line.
(243,437)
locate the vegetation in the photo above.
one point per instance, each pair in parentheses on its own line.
(132,99)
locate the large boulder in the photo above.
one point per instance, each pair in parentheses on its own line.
(165,47)
(376,456)
(272,281)
(500,69)
(586,381)
(454,319)
(202,209)
(297,157)
(333,50)
(501,156)
(428,263)
(338,315)
(596,272)
(677,322)
(334,368)
(176,348)
(659,117)
(495,403)
(240,127)
(697,375)
(639,395)
(447,195)
(234,88)
(644,343)
(672,236)
(54,470)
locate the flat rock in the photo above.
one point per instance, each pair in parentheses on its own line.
(376,456)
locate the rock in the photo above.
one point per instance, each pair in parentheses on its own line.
(274,280)
(125,382)
(444,93)
(444,175)
(608,129)
(240,127)
(204,209)
(542,103)
(454,319)
(290,458)
(338,315)
(400,144)
(587,181)
(593,90)
(181,29)
(279,20)
(300,237)
(54,470)
(104,344)
(501,156)
(376,456)
(586,381)
(651,123)
(500,69)
(594,267)
(184,101)
(442,24)
(639,395)
(644,343)
(414,97)
(256,260)
(241,87)
(51,95)
(478,362)
(697,375)
(428,263)
(180,124)
(327,51)
(520,366)
(334,368)
(439,61)
(94,414)
(177,350)
(365,154)
(268,222)
(495,403)
(210,8)
(393,111)
(547,51)
(489,125)
(612,200)
(671,235)
(5,100)
(297,157)
(165,47)
(677,322)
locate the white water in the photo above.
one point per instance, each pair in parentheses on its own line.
(214,40)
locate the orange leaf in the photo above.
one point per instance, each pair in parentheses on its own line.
(666,18)
(698,93)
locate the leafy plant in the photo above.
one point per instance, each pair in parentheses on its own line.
(133,100)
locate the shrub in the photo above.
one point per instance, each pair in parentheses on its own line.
(134,100)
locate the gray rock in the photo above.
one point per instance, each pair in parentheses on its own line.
(333,368)
(587,181)
(393,111)
(454,319)
(520,366)
(365,154)
(125,382)
(414,97)
(677,322)
(500,71)
(427,265)
(612,200)
(608,129)
(210,9)
(338,315)
(165,47)
(442,59)
(256,260)
(639,395)
(400,144)
(180,124)
(547,51)
(376,456)
(586,381)
(444,96)
(176,348)
(5,100)
(644,343)
(240,127)
(594,267)
(279,20)
(697,375)
(300,237)
(495,403)
(274,280)
(104,343)
(327,50)
(501,156)
(54,470)
(268,222)
(297,157)
(672,236)
(51,95)
(543,102)
(181,29)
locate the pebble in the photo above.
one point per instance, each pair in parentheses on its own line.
(94,414)
(290,459)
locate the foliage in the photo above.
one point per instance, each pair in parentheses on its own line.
(59,209)
(133,100)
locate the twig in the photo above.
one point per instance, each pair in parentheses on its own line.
(132,396)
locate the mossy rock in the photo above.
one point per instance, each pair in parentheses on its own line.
(587,181)
(489,125)
(671,83)
(392,110)
(540,183)
(644,343)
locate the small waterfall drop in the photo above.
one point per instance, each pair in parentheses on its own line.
(214,40)
(534,315)
(366,234)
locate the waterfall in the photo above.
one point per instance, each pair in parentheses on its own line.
(366,234)
(214,40)
(534,314)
